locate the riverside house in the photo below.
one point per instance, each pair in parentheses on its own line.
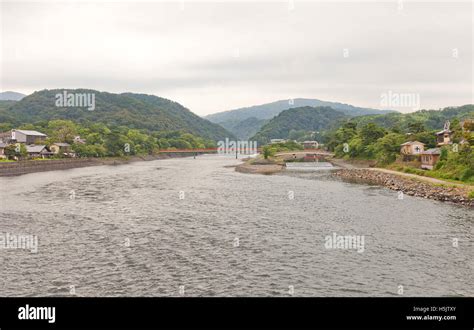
(2,150)
(429,158)
(28,137)
(36,151)
(412,148)
(62,148)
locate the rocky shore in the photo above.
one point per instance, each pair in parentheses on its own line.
(447,193)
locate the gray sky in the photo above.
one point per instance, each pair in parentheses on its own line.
(215,56)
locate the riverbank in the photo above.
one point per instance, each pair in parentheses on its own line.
(360,172)
(33,166)
(410,185)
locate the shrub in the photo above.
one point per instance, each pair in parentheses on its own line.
(439,164)
(467,174)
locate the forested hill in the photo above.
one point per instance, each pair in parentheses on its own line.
(429,119)
(237,120)
(293,121)
(138,111)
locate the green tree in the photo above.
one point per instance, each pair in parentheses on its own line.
(387,148)
(15,150)
(61,131)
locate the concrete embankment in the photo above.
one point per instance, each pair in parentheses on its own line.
(33,166)
(455,193)
(25,167)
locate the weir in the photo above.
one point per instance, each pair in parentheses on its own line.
(309,166)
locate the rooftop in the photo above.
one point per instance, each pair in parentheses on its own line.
(35,148)
(411,142)
(444,132)
(26,132)
(434,151)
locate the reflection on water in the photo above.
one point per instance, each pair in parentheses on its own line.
(145,229)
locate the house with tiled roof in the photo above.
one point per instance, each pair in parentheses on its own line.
(429,158)
(35,151)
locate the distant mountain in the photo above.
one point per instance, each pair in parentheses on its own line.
(139,111)
(245,128)
(299,119)
(299,122)
(11,96)
(232,119)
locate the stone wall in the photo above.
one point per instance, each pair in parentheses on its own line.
(32,166)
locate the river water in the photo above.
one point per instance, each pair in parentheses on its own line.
(195,227)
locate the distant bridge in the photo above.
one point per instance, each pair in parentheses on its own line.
(317,152)
(200,151)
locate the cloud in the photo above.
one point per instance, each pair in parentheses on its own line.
(216,56)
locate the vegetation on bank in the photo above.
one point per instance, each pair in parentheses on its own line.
(110,141)
(271,149)
(354,140)
(134,111)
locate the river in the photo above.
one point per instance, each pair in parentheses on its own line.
(195,227)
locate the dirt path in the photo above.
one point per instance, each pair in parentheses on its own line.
(420,178)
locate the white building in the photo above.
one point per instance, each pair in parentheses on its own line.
(28,137)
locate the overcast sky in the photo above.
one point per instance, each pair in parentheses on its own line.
(215,56)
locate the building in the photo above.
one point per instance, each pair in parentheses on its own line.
(273,141)
(412,148)
(28,137)
(429,158)
(310,144)
(2,150)
(79,140)
(444,137)
(62,148)
(5,137)
(35,151)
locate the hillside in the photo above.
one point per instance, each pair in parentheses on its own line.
(138,111)
(299,119)
(245,128)
(236,121)
(430,119)
(11,96)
